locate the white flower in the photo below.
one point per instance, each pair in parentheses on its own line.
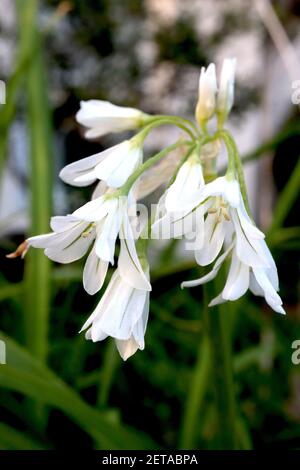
(227,215)
(171,218)
(252,265)
(108,213)
(262,281)
(103,117)
(98,222)
(188,182)
(112,217)
(70,240)
(226,91)
(122,313)
(114,166)
(207,94)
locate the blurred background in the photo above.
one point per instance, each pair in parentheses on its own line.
(59,391)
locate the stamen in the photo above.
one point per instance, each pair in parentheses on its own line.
(88,231)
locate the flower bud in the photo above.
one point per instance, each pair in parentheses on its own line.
(226,91)
(207,94)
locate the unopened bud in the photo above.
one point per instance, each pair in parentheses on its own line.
(207,94)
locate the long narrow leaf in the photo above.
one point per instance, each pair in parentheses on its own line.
(24,374)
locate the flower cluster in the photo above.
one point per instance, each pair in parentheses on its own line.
(209,211)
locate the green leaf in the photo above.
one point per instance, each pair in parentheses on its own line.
(286,199)
(11,439)
(25,374)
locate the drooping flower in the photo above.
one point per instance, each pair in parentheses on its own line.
(206,104)
(97,223)
(122,313)
(70,240)
(262,281)
(103,117)
(113,166)
(252,264)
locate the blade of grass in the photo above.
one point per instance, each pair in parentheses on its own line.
(110,364)
(286,199)
(24,57)
(11,439)
(194,401)
(25,374)
(37,269)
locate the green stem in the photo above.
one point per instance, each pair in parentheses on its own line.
(220,347)
(234,160)
(111,362)
(182,123)
(37,271)
(196,395)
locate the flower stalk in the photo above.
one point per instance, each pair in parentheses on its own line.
(222,373)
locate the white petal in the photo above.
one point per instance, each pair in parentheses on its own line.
(271,296)
(237,282)
(224,187)
(104,301)
(127,347)
(63,223)
(80,173)
(103,117)
(72,252)
(42,241)
(217,301)
(119,165)
(226,90)
(94,273)
(139,329)
(254,286)
(129,264)
(250,251)
(96,209)
(188,182)
(106,238)
(214,235)
(212,274)
(207,93)
(59,240)
(101,335)
(248,226)
(122,313)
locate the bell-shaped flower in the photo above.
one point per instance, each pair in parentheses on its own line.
(103,117)
(70,240)
(113,166)
(122,312)
(227,214)
(226,90)
(206,104)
